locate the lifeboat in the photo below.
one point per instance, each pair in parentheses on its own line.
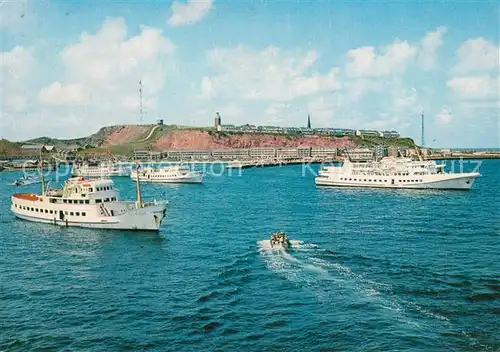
(279,239)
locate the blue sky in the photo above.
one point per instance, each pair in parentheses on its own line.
(71,67)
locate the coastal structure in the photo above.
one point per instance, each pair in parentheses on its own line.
(323,131)
(239,153)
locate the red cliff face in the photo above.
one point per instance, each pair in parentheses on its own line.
(203,140)
(124,134)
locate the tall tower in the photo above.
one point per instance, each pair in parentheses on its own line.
(309,121)
(218,123)
(422,142)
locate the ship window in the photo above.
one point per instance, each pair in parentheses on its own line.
(98,200)
(106,200)
(113,198)
(70,201)
(77,213)
(50,211)
(71,213)
(81,201)
(65,201)
(91,190)
(84,213)
(87,201)
(65,213)
(46,211)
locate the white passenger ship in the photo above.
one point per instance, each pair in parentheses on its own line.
(88,203)
(101,170)
(169,174)
(394,173)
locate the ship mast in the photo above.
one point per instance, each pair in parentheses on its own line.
(42,176)
(138,182)
(422,141)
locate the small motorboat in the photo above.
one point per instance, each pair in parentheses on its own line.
(279,239)
(26,180)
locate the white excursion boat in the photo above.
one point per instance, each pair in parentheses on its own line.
(394,173)
(88,203)
(169,174)
(101,170)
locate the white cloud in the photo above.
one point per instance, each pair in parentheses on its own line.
(12,13)
(15,64)
(475,87)
(429,45)
(444,117)
(358,88)
(365,62)
(270,74)
(405,99)
(477,55)
(190,12)
(323,110)
(105,69)
(108,56)
(98,83)
(58,94)
(207,88)
(16,103)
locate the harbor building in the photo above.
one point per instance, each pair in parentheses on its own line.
(323,152)
(360,154)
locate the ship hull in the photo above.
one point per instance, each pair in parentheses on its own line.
(197,178)
(443,182)
(142,219)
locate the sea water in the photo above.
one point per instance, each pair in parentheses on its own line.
(369,269)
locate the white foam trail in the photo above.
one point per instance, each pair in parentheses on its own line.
(330,280)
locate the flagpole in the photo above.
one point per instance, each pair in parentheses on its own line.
(139,196)
(42,176)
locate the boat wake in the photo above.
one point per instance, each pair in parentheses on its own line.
(318,271)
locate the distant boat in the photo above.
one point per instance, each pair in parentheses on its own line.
(100,170)
(279,239)
(394,173)
(26,180)
(169,174)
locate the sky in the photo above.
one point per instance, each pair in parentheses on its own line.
(69,68)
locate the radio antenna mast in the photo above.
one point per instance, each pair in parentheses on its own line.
(140,99)
(422,142)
